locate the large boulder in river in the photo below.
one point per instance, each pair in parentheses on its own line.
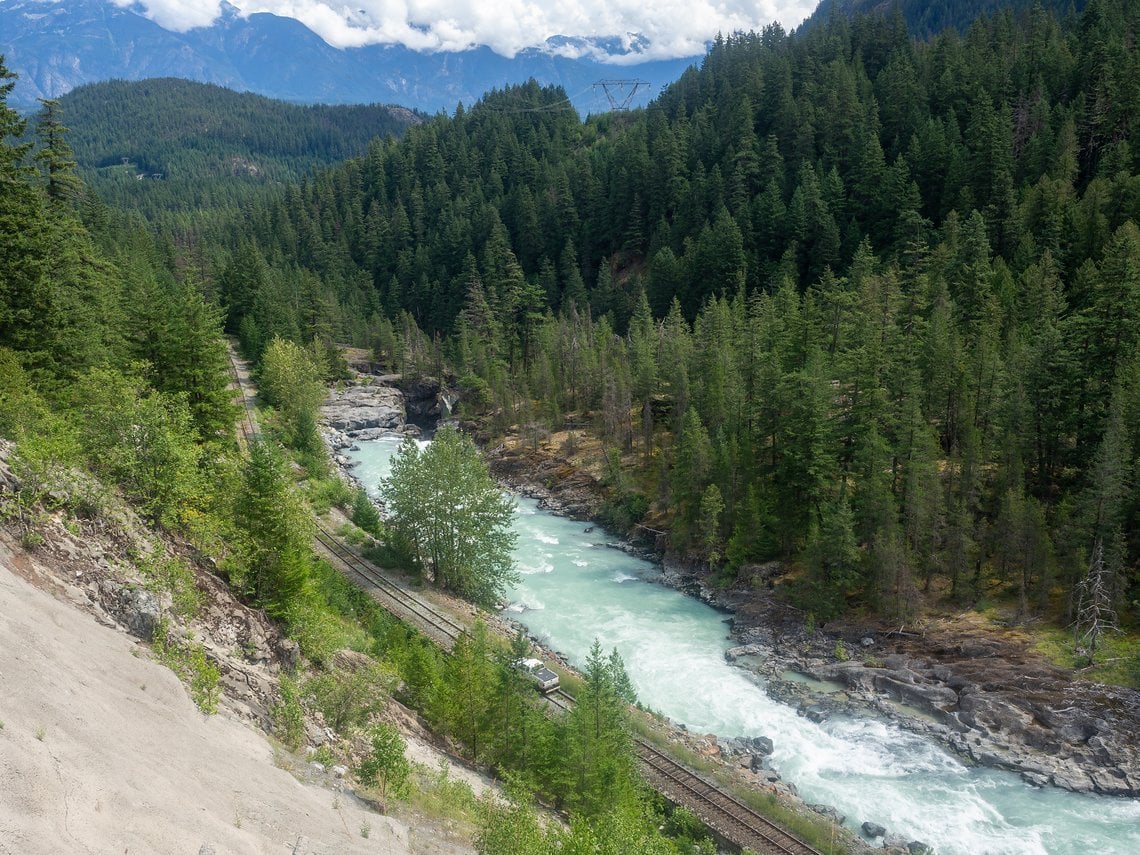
(873,830)
(761,745)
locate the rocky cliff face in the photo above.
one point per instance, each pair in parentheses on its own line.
(365,410)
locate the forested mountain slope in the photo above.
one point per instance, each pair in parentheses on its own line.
(892,296)
(166,143)
(172,120)
(926,18)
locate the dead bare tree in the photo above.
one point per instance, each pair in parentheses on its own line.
(1095,614)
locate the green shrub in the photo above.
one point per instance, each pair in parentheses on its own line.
(319,630)
(288,717)
(325,493)
(386,768)
(175,577)
(348,699)
(190,663)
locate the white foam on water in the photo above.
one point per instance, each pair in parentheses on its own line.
(620,577)
(578,562)
(525,604)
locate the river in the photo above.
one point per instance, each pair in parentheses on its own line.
(577,586)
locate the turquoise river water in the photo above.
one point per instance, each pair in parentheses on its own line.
(577,586)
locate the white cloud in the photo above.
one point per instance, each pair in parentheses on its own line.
(671,27)
(178,15)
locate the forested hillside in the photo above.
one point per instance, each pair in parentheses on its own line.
(926,18)
(167,144)
(864,302)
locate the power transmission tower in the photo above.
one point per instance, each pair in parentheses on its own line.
(620,92)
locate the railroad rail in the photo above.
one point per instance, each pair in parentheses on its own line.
(393,596)
(724,814)
(720,811)
(248,428)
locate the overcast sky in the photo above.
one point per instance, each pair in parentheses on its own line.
(673,27)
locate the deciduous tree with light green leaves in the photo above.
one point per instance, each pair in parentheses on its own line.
(455,520)
(292,379)
(386,767)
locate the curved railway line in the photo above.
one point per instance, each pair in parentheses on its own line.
(724,814)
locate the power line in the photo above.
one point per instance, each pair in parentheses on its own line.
(620,91)
(566,103)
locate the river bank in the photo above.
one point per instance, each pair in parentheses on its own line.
(865,677)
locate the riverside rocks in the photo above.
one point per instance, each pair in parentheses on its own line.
(362,407)
(873,829)
(558,486)
(985,698)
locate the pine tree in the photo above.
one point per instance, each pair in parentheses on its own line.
(599,759)
(55,155)
(277,530)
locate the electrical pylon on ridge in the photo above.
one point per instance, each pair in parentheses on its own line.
(620,92)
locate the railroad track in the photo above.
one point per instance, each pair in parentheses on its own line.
(561,699)
(721,812)
(398,599)
(248,428)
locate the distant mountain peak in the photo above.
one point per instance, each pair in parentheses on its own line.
(56,45)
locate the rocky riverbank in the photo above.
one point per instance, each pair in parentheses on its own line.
(558,486)
(368,409)
(980,689)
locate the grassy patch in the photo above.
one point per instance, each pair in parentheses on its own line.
(1117,660)
(434,792)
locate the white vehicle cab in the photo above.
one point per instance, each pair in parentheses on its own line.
(545,679)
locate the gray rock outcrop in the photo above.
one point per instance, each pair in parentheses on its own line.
(365,407)
(873,830)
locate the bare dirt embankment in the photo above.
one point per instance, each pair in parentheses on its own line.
(103,751)
(102,747)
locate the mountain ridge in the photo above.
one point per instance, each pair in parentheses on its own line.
(56,47)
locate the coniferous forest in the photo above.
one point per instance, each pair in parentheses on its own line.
(835,296)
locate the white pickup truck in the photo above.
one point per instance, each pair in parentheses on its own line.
(545,679)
